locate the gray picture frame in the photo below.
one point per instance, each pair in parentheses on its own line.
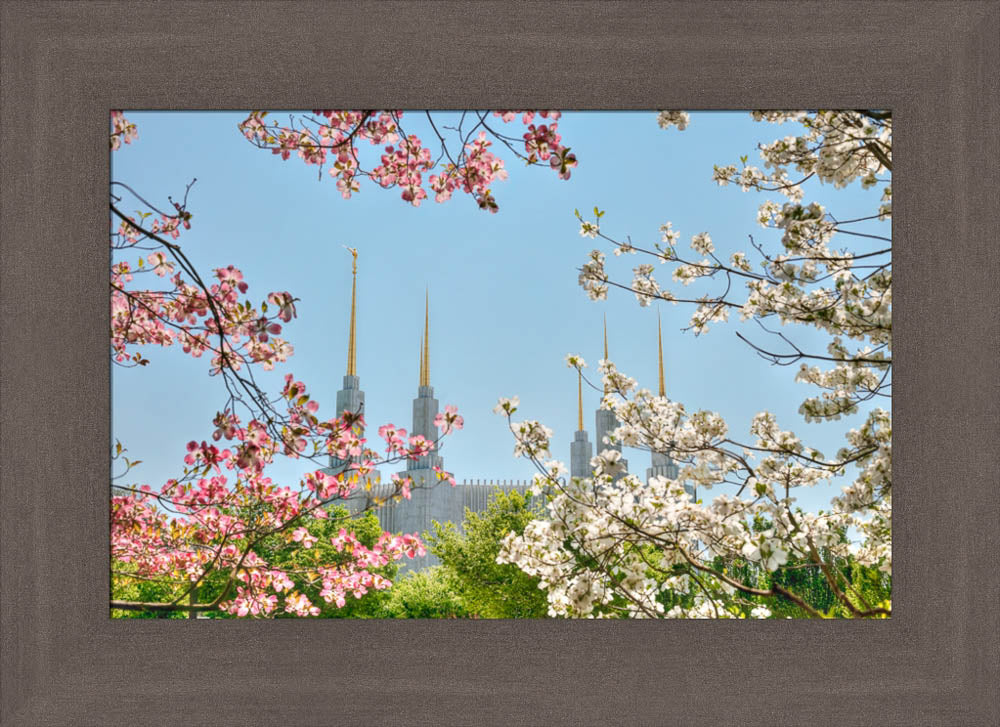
(65,64)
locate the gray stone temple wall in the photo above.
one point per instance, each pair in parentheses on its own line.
(437,502)
(430,499)
(425,409)
(663,466)
(580,454)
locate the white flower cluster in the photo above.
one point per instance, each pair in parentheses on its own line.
(777,117)
(885,209)
(611,545)
(680,119)
(624,248)
(507,406)
(668,234)
(615,382)
(644,284)
(589,229)
(531,439)
(838,147)
(855,379)
(702,244)
(605,520)
(593,279)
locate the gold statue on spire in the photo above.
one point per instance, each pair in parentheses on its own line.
(659,340)
(425,359)
(351,350)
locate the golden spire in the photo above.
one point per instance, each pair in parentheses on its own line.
(425,360)
(579,400)
(420,376)
(659,339)
(351,349)
(605,346)
(605,336)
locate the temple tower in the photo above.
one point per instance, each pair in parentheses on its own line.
(425,407)
(580,450)
(662,465)
(351,398)
(428,497)
(605,421)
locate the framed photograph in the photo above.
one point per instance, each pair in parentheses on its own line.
(693,528)
(651,506)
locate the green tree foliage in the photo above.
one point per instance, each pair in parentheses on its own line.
(865,586)
(487,588)
(429,593)
(133,589)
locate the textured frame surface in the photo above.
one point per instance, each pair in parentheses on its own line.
(64,65)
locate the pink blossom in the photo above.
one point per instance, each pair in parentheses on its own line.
(449,420)
(301,535)
(338,136)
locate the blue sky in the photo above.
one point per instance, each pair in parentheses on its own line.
(505,304)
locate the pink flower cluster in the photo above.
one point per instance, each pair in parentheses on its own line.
(528,116)
(542,142)
(449,420)
(402,168)
(480,168)
(218,518)
(334,137)
(121,130)
(190,314)
(208,519)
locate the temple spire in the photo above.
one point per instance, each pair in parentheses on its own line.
(605,345)
(425,359)
(605,336)
(659,340)
(351,350)
(605,419)
(579,400)
(420,374)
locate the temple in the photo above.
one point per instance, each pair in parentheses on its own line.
(432,499)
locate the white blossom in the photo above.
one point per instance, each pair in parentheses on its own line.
(507,406)
(613,545)
(680,119)
(702,244)
(668,234)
